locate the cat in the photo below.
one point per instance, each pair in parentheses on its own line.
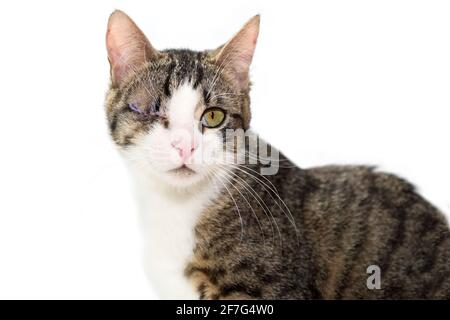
(215,228)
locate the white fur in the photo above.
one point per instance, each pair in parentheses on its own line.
(170,204)
(180,109)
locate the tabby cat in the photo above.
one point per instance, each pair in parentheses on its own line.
(215,228)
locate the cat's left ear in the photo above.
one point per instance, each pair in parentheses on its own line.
(236,55)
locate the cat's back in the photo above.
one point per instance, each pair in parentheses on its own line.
(355,217)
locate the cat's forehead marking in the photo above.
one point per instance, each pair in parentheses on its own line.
(183,66)
(183,104)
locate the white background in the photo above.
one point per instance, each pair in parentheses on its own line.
(363,82)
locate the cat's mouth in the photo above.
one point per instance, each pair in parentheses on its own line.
(182,171)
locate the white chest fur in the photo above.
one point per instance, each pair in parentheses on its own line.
(168,221)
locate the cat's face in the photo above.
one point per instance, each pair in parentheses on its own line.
(169,110)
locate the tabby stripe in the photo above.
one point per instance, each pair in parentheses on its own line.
(167,90)
(213,275)
(433,256)
(353,256)
(351,259)
(202,289)
(398,240)
(442,288)
(113,122)
(199,77)
(206,96)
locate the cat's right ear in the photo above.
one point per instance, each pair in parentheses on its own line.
(127,46)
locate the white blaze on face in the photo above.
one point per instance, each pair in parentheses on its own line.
(184,134)
(182,105)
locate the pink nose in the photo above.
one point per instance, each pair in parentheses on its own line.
(184,148)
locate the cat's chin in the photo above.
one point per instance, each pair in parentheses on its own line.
(183,177)
(182,171)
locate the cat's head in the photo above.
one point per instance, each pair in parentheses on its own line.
(168,110)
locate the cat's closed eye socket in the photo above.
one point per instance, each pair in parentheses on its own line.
(153,109)
(213,117)
(134,107)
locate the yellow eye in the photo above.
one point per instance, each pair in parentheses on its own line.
(213,117)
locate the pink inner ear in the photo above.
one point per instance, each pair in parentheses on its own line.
(122,61)
(237,54)
(114,57)
(127,46)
